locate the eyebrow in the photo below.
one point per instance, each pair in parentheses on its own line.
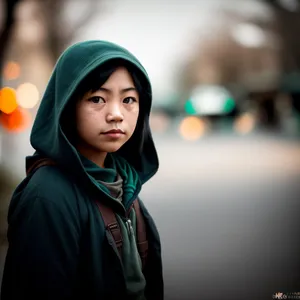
(122,90)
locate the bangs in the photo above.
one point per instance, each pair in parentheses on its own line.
(94,80)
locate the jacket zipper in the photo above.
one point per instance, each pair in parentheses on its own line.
(128,222)
(129,227)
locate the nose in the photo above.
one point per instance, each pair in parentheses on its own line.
(114,114)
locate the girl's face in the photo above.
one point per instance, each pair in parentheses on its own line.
(107,118)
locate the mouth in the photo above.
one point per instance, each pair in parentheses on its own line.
(114,131)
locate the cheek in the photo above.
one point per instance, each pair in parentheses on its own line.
(86,122)
(133,118)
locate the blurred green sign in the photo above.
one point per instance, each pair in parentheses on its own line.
(210,100)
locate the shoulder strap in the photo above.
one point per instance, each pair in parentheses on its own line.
(40,163)
(142,241)
(111,224)
(113,227)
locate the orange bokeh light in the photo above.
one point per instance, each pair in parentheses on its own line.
(17,121)
(8,100)
(244,124)
(11,71)
(192,128)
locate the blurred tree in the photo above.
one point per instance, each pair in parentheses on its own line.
(8,24)
(60,30)
(243,56)
(5,34)
(287,22)
(223,61)
(9,20)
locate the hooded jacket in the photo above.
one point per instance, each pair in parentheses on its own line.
(58,245)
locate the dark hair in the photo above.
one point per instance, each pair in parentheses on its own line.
(93,81)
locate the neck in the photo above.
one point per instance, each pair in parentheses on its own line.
(96,157)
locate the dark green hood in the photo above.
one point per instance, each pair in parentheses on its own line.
(47,136)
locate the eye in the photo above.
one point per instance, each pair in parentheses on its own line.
(129,100)
(96,99)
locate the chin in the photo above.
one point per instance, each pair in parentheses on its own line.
(111,148)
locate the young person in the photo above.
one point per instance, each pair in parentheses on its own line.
(93,149)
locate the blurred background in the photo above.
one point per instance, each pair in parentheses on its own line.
(225,119)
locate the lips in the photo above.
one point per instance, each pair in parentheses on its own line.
(114,131)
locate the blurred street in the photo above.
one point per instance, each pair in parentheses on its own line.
(228,212)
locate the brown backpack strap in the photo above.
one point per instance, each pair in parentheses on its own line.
(111,225)
(142,242)
(40,163)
